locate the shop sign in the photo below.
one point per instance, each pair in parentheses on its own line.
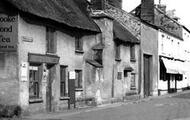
(24,69)
(72,75)
(8,33)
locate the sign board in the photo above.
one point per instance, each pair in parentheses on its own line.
(24,69)
(39,58)
(72,75)
(8,33)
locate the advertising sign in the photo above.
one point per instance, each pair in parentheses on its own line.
(8,33)
(72,75)
(24,69)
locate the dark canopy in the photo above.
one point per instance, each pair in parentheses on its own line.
(67,12)
(122,34)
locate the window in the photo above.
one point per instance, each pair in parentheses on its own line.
(78,44)
(35,75)
(78,81)
(117,51)
(132,52)
(63,81)
(98,56)
(119,75)
(133,86)
(51,41)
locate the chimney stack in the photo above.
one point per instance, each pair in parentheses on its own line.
(147,11)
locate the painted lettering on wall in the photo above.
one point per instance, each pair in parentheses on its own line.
(8,33)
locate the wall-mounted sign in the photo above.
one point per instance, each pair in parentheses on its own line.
(72,75)
(27,39)
(24,69)
(8,33)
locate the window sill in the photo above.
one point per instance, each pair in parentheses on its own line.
(133,60)
(54,54)
(79,51)
(117,59)
(78,89)
(37,100)
(64,98)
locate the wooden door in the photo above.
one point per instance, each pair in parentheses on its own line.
(51,75)
(146,75)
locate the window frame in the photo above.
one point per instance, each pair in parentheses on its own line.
(63,81)
(98,56)
(38,77)
(51,42)
(78,80)
(117,51)
(78,44)
(132,53)
(133,82)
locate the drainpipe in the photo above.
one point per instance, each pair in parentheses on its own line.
(112,90)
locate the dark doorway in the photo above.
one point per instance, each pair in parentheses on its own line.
(51,69)
(147,80)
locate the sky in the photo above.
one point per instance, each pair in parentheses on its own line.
(182,8)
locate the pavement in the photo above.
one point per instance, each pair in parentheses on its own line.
(168,107)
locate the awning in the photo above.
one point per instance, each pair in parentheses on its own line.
(174,67)
(128,68)
(94,63)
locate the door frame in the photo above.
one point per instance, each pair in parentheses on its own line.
(147,84)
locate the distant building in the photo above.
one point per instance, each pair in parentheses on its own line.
(170,56)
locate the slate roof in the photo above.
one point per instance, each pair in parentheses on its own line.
(66,12)
(121,33)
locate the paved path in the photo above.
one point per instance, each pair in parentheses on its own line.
(161,108)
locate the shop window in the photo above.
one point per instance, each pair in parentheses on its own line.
(133,82)
(117,52)
(51,41)
(78,80)
(35,75)
(78,44)
(132,53)
(63,81)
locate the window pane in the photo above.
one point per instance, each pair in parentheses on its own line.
(63,80)
(117,51)
(78,43)
(132,51)
(133,86)
(34,82)
(78,80)
(51,43)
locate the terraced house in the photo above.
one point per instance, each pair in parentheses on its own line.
(53,55)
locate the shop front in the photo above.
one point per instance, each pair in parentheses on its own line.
(171,74)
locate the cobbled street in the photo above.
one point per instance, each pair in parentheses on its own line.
(175,107)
